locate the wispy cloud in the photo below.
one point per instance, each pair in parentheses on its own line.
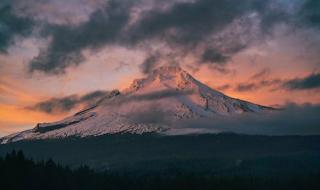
(68,103)
(261,74)
(252,86)
(309,82)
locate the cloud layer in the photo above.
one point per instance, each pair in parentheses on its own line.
(211,30)
(292,120)
(68,103)
(12,25)
(260,51)
(309,82)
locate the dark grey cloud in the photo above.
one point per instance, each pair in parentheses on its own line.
(310,13)
(214,56)
(310,82)
(57,11)
(186,25)
(12,25)
(161,94)
(293,119)
(191,22)
(243,87)
(56,105)
(252,86)
(183,26)
(103,27)
(93,96)
(150,63)
(65,104)
(307,83)
(151,115)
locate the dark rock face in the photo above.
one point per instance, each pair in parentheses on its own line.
(40,129)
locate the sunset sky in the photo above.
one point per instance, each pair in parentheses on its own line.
(57,56)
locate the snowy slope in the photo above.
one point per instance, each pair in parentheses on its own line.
(152,104)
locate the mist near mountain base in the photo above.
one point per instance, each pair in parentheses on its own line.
(292,120)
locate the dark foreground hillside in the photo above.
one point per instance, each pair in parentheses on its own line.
(220,154)
(17,172)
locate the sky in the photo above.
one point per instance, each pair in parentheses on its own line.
(59,56)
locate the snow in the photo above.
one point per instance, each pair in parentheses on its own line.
(168,95)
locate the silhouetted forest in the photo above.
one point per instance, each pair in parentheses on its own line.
(19,172)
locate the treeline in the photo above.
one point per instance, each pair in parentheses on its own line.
(18,172)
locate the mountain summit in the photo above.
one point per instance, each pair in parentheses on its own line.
(153,104)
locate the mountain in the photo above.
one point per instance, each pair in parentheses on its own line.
(167,96)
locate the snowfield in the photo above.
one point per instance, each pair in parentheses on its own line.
(151,104)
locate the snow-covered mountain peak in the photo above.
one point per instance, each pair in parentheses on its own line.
(164,74)
(153,104)
(172,77)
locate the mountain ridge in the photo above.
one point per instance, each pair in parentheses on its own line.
(151,104)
